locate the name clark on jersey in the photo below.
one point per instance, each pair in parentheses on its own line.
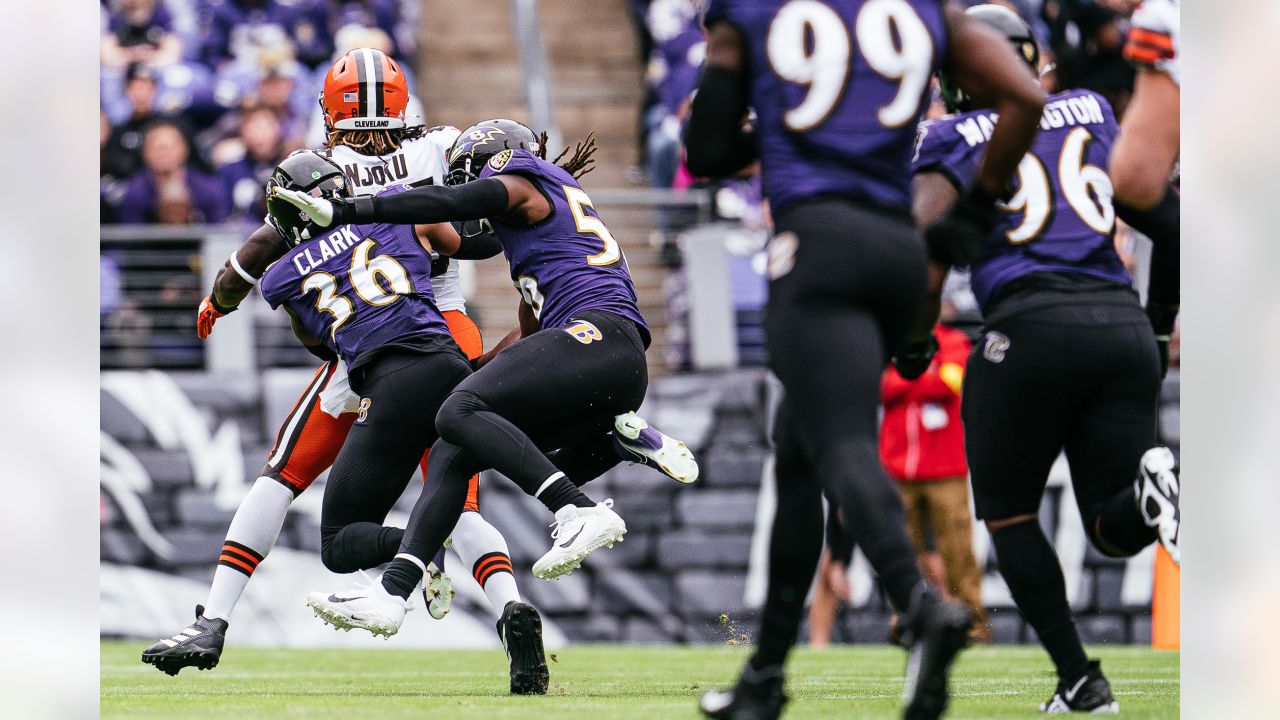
(331,245)
(1068,112)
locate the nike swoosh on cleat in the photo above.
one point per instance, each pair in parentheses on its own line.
(336,599)
(569,542)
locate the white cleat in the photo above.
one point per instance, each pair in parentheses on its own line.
(1157,492)
(638,442)
(437,592)
(369,608)
(577,533)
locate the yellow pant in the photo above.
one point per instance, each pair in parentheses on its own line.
(943,507)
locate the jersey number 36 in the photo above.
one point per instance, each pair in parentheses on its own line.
(380,280)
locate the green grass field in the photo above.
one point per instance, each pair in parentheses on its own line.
(593,681)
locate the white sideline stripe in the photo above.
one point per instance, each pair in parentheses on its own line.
(547,483)
(369,84)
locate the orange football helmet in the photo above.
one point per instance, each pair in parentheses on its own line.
(364,90)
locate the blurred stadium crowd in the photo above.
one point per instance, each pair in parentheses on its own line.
(201,98)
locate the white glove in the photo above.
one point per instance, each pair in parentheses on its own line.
(317,208)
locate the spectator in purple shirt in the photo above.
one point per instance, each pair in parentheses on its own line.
(169,188)
(260,148)
(140,31)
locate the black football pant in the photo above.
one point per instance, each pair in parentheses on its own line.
(836,310)
(556,389)
(1073,377)
(401,391)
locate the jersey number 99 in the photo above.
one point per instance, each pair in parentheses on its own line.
(809,44)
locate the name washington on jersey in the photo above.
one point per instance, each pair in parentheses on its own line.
(1066,112)
(329,246)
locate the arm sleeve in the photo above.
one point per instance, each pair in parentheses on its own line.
(715,145)
(481,246)
(434,203)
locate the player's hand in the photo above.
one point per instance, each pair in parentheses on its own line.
(1163,317)
(209,313)
(322,212)
(957,237)
(914,357)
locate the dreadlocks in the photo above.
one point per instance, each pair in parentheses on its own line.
(374,142)
(580,163)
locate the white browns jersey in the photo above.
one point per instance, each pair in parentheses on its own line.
(417,162)
(1154,37)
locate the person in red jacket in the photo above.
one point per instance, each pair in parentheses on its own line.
(922,448)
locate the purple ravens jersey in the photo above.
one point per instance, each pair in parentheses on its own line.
(358,287)
(567,263)
(1060,218)
(838,87)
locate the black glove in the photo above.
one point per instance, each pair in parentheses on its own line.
(956,238)
(439,264)
(1162,319)
(915,356)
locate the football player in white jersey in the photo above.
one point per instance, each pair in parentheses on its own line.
(364,98)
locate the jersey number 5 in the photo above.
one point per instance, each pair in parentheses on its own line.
(381,280)
(578,200)
(809,44)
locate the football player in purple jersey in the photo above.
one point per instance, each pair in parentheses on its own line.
(837,87)
(1069,361)
(570,384)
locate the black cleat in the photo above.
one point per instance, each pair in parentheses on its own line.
(520,628)
(757,696)
(199,645)
(1091,693)
(935,632)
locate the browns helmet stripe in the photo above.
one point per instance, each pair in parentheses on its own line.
(377,85)
(362,86)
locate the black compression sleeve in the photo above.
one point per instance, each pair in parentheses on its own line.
(1161,223)
(434,203)
(715,145)
(478,247)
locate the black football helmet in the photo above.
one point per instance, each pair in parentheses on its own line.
(305,171)
(1007,23)
(481,141)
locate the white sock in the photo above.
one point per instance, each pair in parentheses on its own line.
(483,549)
(252,534)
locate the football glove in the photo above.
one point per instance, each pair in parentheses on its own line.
(956,238)
(209,313)
(915,356)
(1162,319)
(322,212)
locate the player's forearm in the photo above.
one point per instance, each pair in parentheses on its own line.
(715,145)
(433,204)
(245,267)
(1014,132)
(506,341)
(984,64)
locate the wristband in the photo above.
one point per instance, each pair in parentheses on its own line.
(213,303)
(235,265)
